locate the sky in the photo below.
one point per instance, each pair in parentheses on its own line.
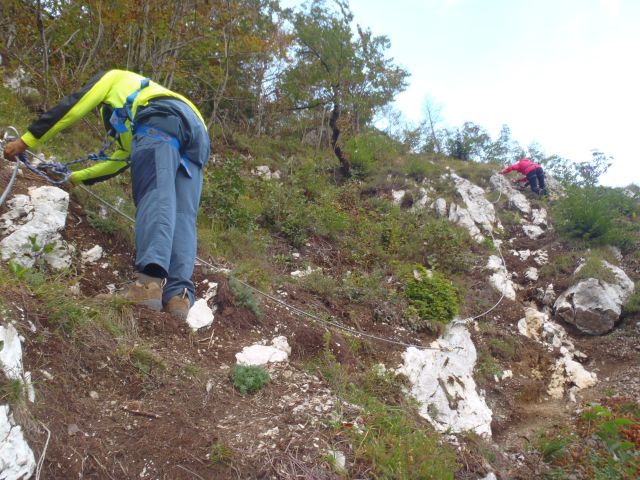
(562,73)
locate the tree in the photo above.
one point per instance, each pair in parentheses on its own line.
(468,142)
(504,150)
(432,117)
(332,69)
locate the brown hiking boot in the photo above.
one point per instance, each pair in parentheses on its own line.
(179,305)
(145,290)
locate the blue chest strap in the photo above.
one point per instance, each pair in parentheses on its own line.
(157,134)
(121,115)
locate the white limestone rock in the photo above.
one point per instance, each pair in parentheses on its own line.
(92,255)
(212,290)
(50,205)
(532,231)
(541,257)
(303,273)
(594,306)
(422,200)
(531,274)
(397,196)
(462,217)
(549,296)
(16,457)
(18,207)
(521,254)
(500,279)
(200,315)
(516,198)
(442,382)
(19,83)
(60,257)
(480,209)
(264,172)
(257,354)
(568,375)
(539,217)
(339,460)
(440,206)
(10,352)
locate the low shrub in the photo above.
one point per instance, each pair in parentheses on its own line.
(633,303)
(324,286)
(440,245)
(146,361)
(432,299)
(596,215)
(603,445)
(223,186)
(244,297)
(420,168)
(249,378)
(219,453)
(369,152)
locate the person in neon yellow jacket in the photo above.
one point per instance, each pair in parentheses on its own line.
(162,136)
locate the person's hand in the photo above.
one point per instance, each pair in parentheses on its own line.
(14,148)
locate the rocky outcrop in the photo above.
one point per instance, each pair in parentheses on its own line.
(16,457)
(501,279)
(568,375)
(480,209)
(440,207)
(516,198)
(462,217)
(594,306)
(442,382)
(32,226)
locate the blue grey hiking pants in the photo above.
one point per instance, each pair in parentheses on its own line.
(166,197)
(536,180)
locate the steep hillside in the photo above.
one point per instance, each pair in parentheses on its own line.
(413,323)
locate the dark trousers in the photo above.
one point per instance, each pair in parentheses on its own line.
(536,179)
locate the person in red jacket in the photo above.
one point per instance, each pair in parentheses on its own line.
(532,173)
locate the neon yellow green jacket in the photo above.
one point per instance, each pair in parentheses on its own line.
(112,89)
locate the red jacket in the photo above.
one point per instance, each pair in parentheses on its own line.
(524,166)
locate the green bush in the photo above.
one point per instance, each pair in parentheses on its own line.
(596,215)
(633,303)
(370,151)
(419,168)
(284,213)
(249,378)
(221,193)
(600,447)
(324,286)
(438,244)
(432,298)
(244,297)
(363,287)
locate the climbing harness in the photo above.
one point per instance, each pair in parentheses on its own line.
(158,134)
(122,115)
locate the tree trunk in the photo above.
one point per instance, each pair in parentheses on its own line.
(345,167)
